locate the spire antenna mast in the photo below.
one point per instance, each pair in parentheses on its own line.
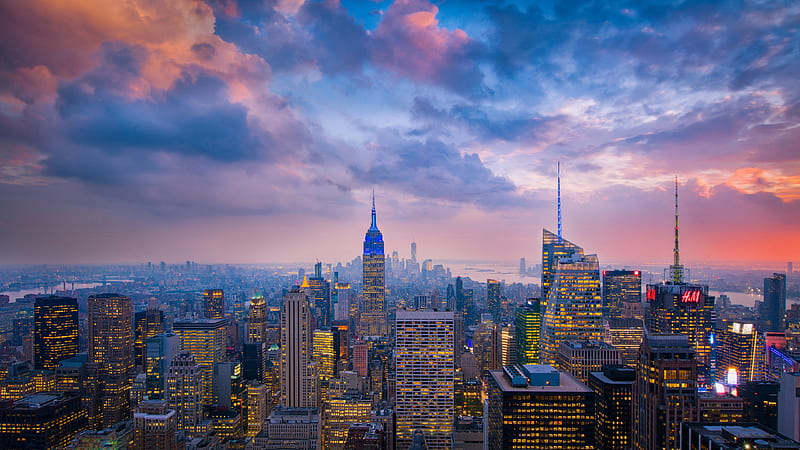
(558,168)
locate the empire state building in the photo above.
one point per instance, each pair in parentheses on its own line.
(373,319)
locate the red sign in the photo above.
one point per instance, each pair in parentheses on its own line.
(691,297)
(651,294)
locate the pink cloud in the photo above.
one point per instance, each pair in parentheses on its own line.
(410,42)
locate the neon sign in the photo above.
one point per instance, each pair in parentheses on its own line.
(651,294)
(691,297)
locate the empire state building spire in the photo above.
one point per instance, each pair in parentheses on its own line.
(373,318)
(374,225)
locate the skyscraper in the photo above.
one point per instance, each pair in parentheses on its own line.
(111,354)
(319,295)
(573,308)
(159,351)
(205,339)
(257,320)
(373,319)
(184,392)
(146,324)
(665,391)
(678,307)
(742,348)
(620,287)
(613,389)
(536,406)
(298,380)
(494,298)
(55,331)
(529,328)
(214,304)
(773,309)
(425,377)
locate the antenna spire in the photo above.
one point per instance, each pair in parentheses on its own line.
(676,269)
(558,167)
(374,224)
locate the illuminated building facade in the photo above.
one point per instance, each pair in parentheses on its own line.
(42,420)
(620,287)
(373,318)
(579,358)
(506,344)
(536,406)
(297,372)
(159,351)
(319,295)
(155,426)
(340,412)
(146,324)
(554,248)
(185,392)
(684,309)
(494,298)
(205,339)
(214,304)
(528,322)
(665,391)
(573,308)
(256,408)
(257,320)
(111,354)
(286,427)
(742,348)
(55,331)
(625,334)
(613,389)
(760,402)
(773,308)
(719,407)
(425,377)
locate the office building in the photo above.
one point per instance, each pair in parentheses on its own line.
(719,407)
(579,358)
(111,357)
(373,317)
(494,298)
(42,420)
(741,348)
(257,409)
(288,427)
(155,426)
(665,391)
(773,308)
(229,389)
(297,372)
(159,351)
(789,405)
(318,290)
(621,287)
(613,389)
(55,331)
(341,411)
(626,335)
(573,308)
(506,344)
(554,248)
(257,320)
(679,307)
(536,406)
(146,324)
(213,304)
(425,377)
(205,339)
(684,309)
(528,323)
(727,436)
(254,361)
(184,393)
(325,354)
(760,402)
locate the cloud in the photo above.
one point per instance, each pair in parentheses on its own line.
(410,42)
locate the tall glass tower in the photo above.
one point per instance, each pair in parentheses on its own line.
(55,331)
(573,308)
(373,319)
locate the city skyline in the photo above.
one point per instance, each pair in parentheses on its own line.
(237,132)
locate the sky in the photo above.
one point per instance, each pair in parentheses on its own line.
(240,131)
